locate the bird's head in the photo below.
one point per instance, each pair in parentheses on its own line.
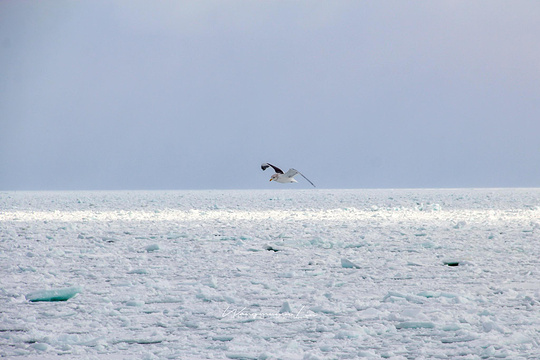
(274,177)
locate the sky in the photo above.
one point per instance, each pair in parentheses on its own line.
(147,95)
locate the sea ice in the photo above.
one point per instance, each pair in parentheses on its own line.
(348,264)
(63,294)
(415,325)
(285,308)
(151,248)
(217,292)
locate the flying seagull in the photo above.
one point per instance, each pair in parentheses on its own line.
(284,178)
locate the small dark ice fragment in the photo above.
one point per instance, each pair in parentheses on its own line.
(451,263)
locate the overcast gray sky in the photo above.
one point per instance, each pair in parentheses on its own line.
(197,94)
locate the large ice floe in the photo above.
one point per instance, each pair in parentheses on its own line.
(281,274)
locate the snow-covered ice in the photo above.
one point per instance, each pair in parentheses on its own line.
(281,274)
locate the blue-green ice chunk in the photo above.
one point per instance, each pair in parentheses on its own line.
(153,247)
(348,264)
(54,294)
(415,325)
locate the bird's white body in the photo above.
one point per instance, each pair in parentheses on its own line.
(285,180)
(288,177)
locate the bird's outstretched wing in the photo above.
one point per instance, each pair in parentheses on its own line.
(265,166)
(293,172)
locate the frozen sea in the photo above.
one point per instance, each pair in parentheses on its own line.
(271,274)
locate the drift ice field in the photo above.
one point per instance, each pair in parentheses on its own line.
(271,274)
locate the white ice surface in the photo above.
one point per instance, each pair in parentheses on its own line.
(260,274)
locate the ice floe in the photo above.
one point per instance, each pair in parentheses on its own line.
(291,274)
(63,294)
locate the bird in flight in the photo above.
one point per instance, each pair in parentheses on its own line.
(284,178)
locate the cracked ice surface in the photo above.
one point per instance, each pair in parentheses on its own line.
(268,274)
